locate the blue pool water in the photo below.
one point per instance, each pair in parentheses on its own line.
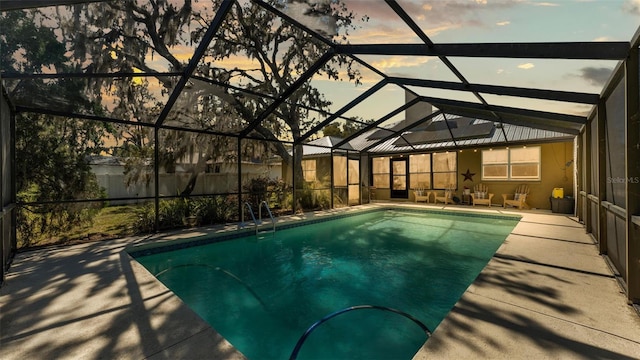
(262,294)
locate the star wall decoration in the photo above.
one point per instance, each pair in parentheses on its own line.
(468,176)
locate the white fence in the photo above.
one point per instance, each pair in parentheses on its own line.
(174,184)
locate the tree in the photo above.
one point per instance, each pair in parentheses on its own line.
(51,151)
(345,129)
(127,36)
(51,169)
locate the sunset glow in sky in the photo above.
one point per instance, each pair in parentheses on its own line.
(488,21)
(443,21)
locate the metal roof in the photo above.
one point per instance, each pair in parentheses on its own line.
(515,135)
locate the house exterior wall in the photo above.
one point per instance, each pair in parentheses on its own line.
(553,172)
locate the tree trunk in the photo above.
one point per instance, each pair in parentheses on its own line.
(298,176)
(198,168)
(191,184)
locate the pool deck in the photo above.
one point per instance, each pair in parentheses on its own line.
(546,294)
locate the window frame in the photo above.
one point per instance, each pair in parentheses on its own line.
(306,171)
(454,171)
(429,173)
(510,164)
(386,161)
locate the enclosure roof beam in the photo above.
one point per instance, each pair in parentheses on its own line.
(418,31)
(293,21)
(600,50)
(409,21)
(43,111)
(27,4)
(25,109)
(555,95)
(288,92)
(421,34)
(404,129)
(258,94)
(222,12)
(115,75)
(515,120)
(453,138)
(343,110)
(374,124)
(574,119)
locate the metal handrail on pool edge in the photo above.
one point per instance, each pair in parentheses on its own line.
(306,334)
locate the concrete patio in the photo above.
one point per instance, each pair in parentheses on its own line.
(546,294)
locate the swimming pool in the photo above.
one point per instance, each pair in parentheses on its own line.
(262,294)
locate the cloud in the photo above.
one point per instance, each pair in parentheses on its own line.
(503,23)
(377,9)
(596,76)
(544,4)
(436,30)
(383,34)
(632,6)
(399,62)
(322,22)
(526,66)
(439,13)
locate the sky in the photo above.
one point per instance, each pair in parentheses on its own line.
(469,21)
(463,21)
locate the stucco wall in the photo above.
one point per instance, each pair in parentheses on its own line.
(554,173)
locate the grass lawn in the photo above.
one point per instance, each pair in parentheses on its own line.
(110,223)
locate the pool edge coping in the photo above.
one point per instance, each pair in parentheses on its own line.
(231,231)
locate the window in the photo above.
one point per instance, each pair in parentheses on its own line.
(399,173)
(354,181)
(380,171)
(511,164)
(495,164)
(426,171)
(524,163)
(309,170)
(420,171)
(445,170)
(339,171)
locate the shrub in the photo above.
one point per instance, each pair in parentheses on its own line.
(173,212)
(276,192)
(171,215)
(216,209)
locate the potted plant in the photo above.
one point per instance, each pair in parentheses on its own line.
(190,212)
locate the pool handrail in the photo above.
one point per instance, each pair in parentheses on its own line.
(296,349)
(266,206)
(257,221)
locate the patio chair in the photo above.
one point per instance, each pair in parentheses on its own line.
(481,195)
(422,195)
(518,199)
(447,196)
